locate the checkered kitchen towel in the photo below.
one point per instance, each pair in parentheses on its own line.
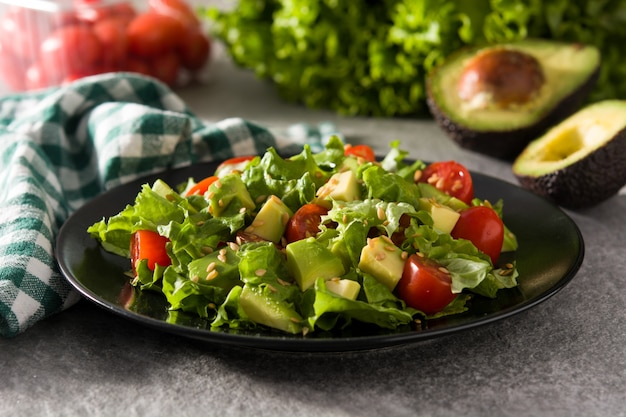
(61,147)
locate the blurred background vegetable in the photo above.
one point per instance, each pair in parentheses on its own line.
(368,57)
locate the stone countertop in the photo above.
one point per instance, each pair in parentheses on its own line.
(564,357)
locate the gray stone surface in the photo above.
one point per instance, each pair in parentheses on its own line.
(564,357)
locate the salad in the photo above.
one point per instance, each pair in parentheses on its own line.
(315,242)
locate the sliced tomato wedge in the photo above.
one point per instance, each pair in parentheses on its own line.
(360,151)
(236,164)
(425,285)
(202,186)
(305,222)
(450,177)
(149,245)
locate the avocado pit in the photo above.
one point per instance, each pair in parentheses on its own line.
(501,77)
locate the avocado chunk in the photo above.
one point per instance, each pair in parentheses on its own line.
(444,218)
(308,260)
(271,221)
(383,260)
(345,288)
(229,195)
(219,269)
(342,186)
(495,99)
(263,309)
(581,161)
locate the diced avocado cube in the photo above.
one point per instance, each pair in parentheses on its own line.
(162,188)
(342,186)
(383,260)
(346,288)
(271,220)
(229,194)
(219,269)
(308,260)
(429,191)
(265,310)
(444,218)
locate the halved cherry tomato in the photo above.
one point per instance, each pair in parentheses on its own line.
(450,177)
(361,151)
(305,222)
(237,163)
(146,244)
(483,227)
(425,285)
(202,186)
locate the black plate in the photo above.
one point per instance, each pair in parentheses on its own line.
(551,250)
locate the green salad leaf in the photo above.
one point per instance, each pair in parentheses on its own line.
(221,272)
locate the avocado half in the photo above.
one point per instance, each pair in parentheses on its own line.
(563,75)
(581,161)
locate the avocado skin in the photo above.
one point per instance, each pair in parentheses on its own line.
(588,181)
(507,144)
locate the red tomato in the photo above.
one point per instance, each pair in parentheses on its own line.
(146,244)
(450,177)
(483,227)
(95,11)
(195,49)
(165,67)
(38,76)
(175,8)
(236,164)
(361,151)
(20,33)
(305,222)
(73,48)
(140,66)
(202,186)
(111,33)
(152,34)
(12,69)
(425,285)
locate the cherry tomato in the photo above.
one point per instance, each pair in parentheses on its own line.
(153,34)
(72,48)
(175,8)
(235,164)
(12,68)
(305,222)
(202,186)
(146,244)
(483,227)
(20,33)
(425,285)
(140,66)
(195,49)
(165,67)
(450,177)
(111,33)
(361,151)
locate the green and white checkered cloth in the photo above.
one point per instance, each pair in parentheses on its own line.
(63,146)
